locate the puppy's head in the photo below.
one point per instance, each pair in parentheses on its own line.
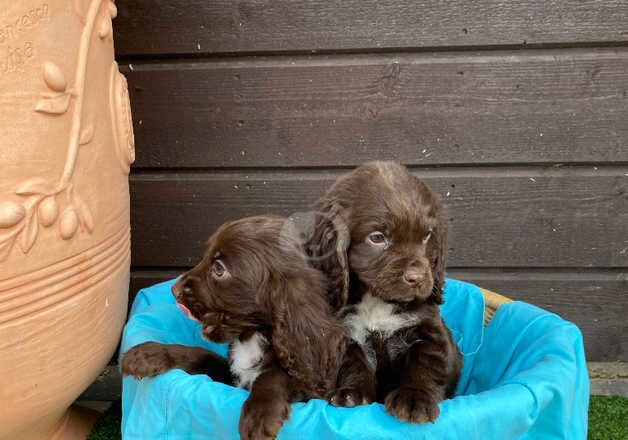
(255,276)
(396,234)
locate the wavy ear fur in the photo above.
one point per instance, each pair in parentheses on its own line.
(331,240)
(307,338)
(438,248)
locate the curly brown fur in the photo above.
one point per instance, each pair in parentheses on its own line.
(395,239)
(256,290)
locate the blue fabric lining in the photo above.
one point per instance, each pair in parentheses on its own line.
(524,376)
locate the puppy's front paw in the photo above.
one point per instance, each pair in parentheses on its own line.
(412,405)
(350,397)
(146,360)
(262,419)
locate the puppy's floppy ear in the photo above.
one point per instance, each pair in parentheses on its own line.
(328,250)
(437,250)
(307,337)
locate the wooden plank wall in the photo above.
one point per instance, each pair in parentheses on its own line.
(516,113)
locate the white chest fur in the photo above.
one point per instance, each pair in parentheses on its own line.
(371,315)
(374,315)
(246,359)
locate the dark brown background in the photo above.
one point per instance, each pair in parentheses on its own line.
(516,113)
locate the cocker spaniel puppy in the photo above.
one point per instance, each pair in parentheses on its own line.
(256,290)
(386,273)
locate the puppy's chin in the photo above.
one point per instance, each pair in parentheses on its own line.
(401,292)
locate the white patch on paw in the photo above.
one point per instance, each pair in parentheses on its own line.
(246,358)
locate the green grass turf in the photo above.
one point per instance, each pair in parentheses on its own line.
(107,427)
(608,420)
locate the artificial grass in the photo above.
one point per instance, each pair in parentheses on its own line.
(107,427)
(608,420)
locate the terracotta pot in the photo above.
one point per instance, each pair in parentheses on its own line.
(66,147)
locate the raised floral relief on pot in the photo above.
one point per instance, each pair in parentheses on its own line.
(37,202)
(121,117)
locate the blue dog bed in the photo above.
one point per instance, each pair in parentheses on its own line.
(524,376)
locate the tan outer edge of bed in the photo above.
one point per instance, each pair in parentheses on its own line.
(492,301)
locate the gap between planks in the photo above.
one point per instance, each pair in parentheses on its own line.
(470,273)
(539,52)
(315,173)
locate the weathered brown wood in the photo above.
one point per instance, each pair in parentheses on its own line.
(538,106)
(141,278)
(609,387)
(609,378)
(608,370)
(107,386)
(513,217)
(594,300)
(201,26)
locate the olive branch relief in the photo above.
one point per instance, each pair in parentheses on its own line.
(40,202)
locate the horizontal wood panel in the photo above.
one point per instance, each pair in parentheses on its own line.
(201,26)
(595,302)
(107,386)
(536,107)
(567,217)
(609,387)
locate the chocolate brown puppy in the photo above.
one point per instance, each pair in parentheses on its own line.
(386,273)
(256,290)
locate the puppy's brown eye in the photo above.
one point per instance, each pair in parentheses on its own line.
(377,238)
(219,270)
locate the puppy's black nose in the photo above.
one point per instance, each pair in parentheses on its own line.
(412,276)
